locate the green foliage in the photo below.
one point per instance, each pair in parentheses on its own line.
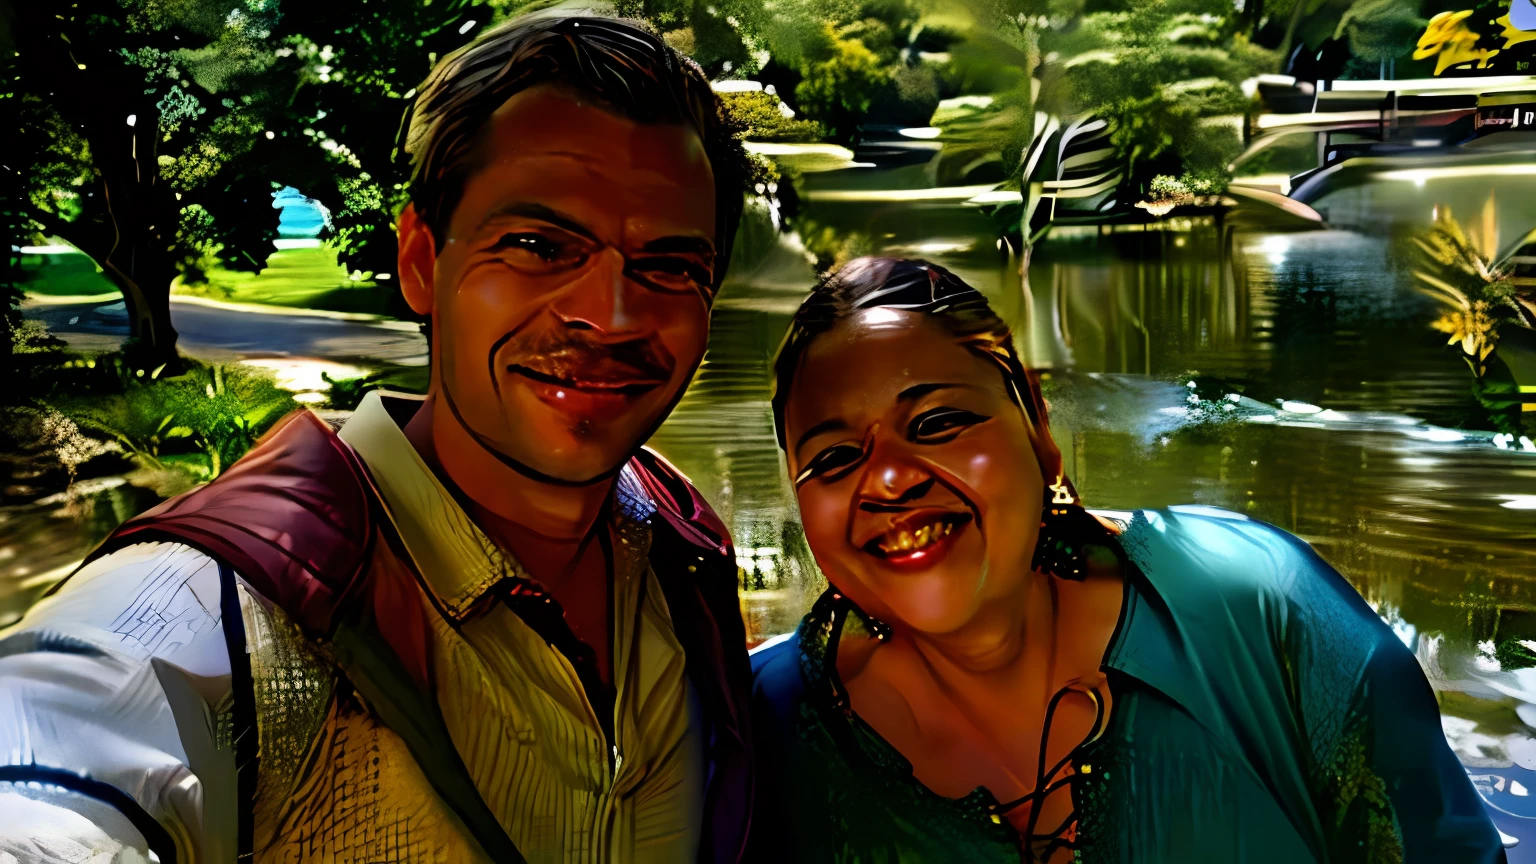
(196,423)
(1381,29)
(197,241)
(358,66)
(1477,298)
(838,91)
(345,394)
(760,118)
(1166,76)
(1515,654)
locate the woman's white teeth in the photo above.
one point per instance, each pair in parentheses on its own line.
(904,540)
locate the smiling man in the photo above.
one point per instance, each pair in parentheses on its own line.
(483,625)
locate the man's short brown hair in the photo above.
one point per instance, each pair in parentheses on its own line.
(618,63)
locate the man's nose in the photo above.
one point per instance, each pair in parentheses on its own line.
(600,298)
(892,479)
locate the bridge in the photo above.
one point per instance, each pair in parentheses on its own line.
(1340,120)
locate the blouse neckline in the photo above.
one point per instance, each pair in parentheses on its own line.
(820,634)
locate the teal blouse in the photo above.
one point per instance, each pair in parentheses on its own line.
(1262,713)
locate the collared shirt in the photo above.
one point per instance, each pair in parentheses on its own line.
(1262,712)
(126,670)
(514,705)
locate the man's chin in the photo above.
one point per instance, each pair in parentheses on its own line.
(555,446)
(570,458)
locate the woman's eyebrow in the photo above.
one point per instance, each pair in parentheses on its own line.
(833,425)
(918,391)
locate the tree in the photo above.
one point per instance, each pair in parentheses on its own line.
(1167,77)
(357,68)
(130,114)
(155,132)
(837,91)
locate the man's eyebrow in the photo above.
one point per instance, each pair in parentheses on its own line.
(918,391)
(680,243)
(533,210)
(832,425)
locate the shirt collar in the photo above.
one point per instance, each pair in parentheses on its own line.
(1155,643)
(458,562)
(1161,641)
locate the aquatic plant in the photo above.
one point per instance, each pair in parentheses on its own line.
(1478,297)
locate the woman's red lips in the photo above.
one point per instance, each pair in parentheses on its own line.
(919,538)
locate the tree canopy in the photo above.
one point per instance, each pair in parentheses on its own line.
(154,133)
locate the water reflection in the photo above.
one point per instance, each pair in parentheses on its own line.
(1289,376)
(1386,460)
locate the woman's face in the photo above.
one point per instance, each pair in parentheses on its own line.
(918,478)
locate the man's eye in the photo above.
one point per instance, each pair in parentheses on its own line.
(942,424)
(831,460)
(529,250)
(671,273)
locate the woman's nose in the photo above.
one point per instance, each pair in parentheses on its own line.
(892,478)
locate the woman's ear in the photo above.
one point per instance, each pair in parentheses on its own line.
(1047,453)
(418,257)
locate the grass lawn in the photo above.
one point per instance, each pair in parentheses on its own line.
(63,274)
(305,278)
(297,278)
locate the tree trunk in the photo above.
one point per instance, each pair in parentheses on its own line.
(144,215)
(1248,19)
(151,336)
(1290,31)
(129,216)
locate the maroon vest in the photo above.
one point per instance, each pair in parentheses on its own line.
(297,518)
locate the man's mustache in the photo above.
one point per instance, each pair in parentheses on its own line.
(569,357)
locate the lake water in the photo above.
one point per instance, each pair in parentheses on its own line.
(1292,377)
(1386,461)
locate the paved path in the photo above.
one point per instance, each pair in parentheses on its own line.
(222,332)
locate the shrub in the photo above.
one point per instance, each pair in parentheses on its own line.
(837,92)
(345,394)
(761,118)
(196,423)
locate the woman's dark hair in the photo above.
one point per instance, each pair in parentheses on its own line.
(912,286)
(620,64)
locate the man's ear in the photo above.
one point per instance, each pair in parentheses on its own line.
(418,257)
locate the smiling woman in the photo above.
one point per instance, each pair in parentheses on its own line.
(996,672)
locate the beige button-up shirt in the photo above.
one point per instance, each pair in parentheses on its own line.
(140,699)
(514,705)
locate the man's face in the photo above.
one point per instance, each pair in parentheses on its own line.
(572,291)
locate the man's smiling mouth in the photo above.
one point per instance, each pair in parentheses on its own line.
(602,383)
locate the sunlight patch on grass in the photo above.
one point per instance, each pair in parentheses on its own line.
(296,278)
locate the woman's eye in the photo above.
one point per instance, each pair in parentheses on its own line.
(831,460)
(943,423)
